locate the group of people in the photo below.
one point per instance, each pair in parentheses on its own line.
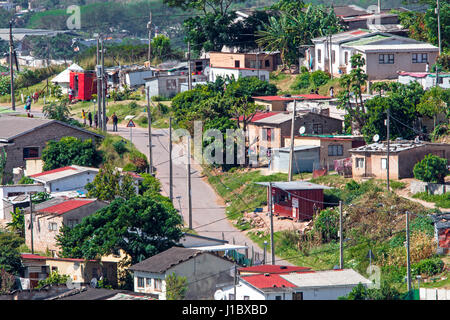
(89,118)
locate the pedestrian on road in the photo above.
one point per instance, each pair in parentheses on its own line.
(96,121)
(90,119)
(115,121)
(28,106)
(83,116)
(70,95)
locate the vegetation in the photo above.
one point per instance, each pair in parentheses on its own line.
(53,279)
(10,260)
(17,224)
(176,287)
(69,151)
(441,200)
(431,169)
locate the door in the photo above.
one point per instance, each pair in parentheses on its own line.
(297,296)
(34,279)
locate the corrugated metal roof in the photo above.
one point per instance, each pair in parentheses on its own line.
(396,47)
(262,281)
(268,268)
(328,278)
(296,148)
(56,174)
(66,206)
(276,118)
(294,185)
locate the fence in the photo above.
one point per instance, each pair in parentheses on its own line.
(434,294)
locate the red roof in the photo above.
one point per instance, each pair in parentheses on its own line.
(274,98)
(358,32)
(66,206)
(262,281)
(313,96)
(414,74)
(268,268)
(260,115)
(51,171)
(234,68)
(30,256)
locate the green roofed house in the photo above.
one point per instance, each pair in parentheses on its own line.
(385,54)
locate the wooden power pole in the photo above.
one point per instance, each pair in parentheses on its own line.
(170,162)
(99,84)
(149,27)
(189,191)
(149,116)
(272,246)
(291,153)
(11,66)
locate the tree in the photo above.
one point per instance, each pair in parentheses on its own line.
(150,185)
(216,6)
(353,84)
(385,292)
(176,287)
(140,226)
(7,282)
(431,169)
(69,151)
(10,259)
(110,184)
(161,47)
(17,223)
(57,111)
(433,103)
(249,87)
(430,20)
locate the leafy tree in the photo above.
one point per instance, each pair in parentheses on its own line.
(326,223)
(385,292)
(10,259)
(176,287)
(17,224)
(248,87)
(414,22)
(110,184)
(430,20)
(57,111)
(150,185)
(217,6)
(292,7)
(161,47)
(319,78)
(69,151)
(54,278)
(140,226)
(431,169)
(57,47)
(433,102)
(7,282)
(26,180)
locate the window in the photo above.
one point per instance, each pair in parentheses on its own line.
(262,78)
(319,56)
(269,134)
(52,226)
(386,59)
(30,152)
(267,63)
(237,64)
(72,223)
(246,298)
(231,296)
(148,282)
(277,297)
(140,282)
(335,150)
(359,162)
(383,163)
(419,57)
(158,284)
(317,128)
(171,84)
(54,269)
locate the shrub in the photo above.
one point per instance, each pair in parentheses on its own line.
(130,167)
(319,78)
(428,267)
(53,279)
(302,81)
(120,146)
(431,169)
(26,180)
(326,223)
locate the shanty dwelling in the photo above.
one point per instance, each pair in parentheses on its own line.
(237,73)
(268,61)
(66,179)
(332,147)
(15,196)
(51,215)
(371,160)
(81,271)
(442,232)
(134,77)
(306,159)
(63,79)
(203,271)
(169,85)
(281,103)
(425,79)
(84,84)
(297,200)
(303,285)
(24,138)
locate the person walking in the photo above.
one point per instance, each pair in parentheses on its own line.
(83,116)
(90,119)
(115,121)
(96,121)
(28,106)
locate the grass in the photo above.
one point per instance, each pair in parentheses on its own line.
(441,201)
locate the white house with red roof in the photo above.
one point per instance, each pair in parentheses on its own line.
(295,285)
(51,215)
(237,72)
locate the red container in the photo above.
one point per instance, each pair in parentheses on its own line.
(84,84)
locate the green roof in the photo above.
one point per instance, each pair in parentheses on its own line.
(365,41)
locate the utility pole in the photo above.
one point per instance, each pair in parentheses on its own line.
(257,60)
(189,67)
(291,153)
(149,27)
(11,66)
(408,260)
(189,182)
(31,225)
(439,25)
(235,280)
(104,125)
(99,83)
(272,247)
(341,238)
(170,161)
(48,61)
(331,57)
(149,117)
(388,149)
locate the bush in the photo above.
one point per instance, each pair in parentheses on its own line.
(130,167)
(120,146)
(319,78)
(302,81)
(428,267)
(326,223)
(26,180)
(53,279)
(431,169)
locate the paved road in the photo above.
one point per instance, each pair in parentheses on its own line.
(208,215)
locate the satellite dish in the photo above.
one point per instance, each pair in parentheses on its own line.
(219,295)
(94,282)
(376,138)
(302,130)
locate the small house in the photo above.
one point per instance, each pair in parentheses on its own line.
(297,200)
(306,159)
(237,73)
(170,85)
(63,79)
(84,84)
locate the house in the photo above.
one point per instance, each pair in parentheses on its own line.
(84,84)
(81,271)
(203,271)
(384,53)
(66,179)
(237,73)
(304,285)
(442,232)
(306,159)
(63,79)
(270,269)
(170,85)
(90,294)
(425,79)
(298,200)
(332,147)
(281,103)
(51,215)
(268,61)
(134,76)
(268,129)
(15,196)
(371,160)
(25,138)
